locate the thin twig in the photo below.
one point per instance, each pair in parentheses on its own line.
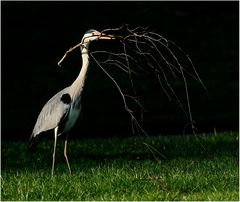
(67,52)
(143,50)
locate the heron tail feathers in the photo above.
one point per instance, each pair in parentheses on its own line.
(33,141)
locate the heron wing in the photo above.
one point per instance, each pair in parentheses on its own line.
(53,113)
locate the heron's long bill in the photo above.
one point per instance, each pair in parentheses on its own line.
(107,37)
(103,36)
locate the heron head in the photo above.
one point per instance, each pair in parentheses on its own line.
(92,35)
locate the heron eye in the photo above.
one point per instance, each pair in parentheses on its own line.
(66,99)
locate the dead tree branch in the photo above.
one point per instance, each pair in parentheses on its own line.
(141,50)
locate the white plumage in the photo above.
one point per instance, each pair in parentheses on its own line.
(61,112)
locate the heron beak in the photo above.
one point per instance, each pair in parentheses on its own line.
(103,36)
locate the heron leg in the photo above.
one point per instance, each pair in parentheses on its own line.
(65,154)
(54,149)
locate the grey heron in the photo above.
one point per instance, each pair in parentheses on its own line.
(62,110)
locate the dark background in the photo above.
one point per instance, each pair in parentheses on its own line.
(35,36)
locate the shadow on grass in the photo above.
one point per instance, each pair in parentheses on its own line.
(94,152)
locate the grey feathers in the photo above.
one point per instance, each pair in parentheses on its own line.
(90,31)
(53,112)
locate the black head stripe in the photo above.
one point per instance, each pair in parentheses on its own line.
(66,99)
(90,31)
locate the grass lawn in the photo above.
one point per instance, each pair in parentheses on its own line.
(183,168)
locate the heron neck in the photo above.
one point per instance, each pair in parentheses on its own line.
(77,86)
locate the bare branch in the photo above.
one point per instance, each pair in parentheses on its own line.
(141,50)
(67,52)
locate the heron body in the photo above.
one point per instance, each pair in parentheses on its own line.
(61,112)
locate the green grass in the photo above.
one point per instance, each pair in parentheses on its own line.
(184,168)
